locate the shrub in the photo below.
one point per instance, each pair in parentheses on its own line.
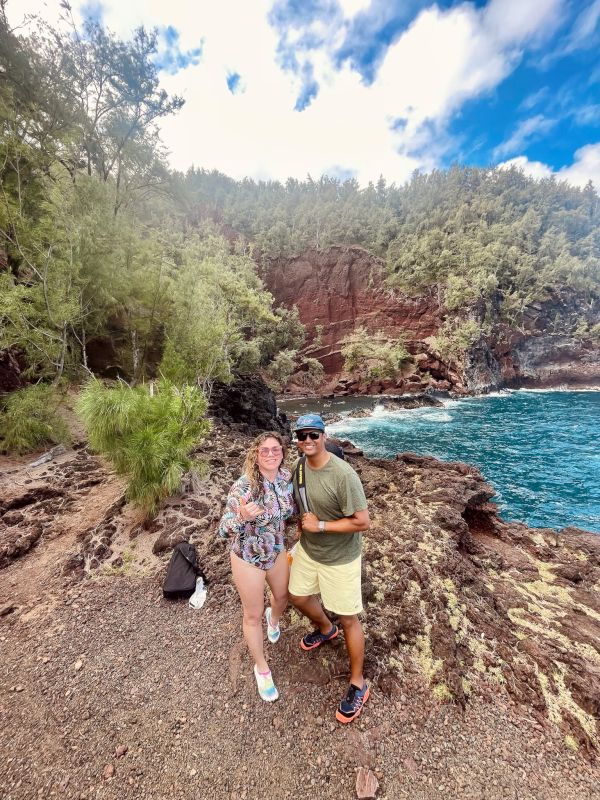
(459,293)
(29,420)
(281,368)
(372,355)
(454,339)
(581,328)
(146,433)
(314,373)
(318,340)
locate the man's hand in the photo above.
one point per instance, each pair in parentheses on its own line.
(249,511)
(310,522)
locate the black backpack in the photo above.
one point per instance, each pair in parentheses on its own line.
(180,580)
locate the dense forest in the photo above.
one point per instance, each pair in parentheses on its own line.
(105,250)
(93,238)
(473,231)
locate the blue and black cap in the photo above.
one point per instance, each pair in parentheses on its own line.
(311,422)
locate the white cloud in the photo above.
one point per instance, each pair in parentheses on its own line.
(352,7)
(585,167)
(588,115)
(443,59)
(584,26)
(526,131)
(534,99)
(535,169)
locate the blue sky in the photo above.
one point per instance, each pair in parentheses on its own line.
(368,87)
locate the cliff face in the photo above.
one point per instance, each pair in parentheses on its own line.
(342,289)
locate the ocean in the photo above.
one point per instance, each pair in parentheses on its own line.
(539,449)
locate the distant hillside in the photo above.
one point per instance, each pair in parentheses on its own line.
(488,234)
(488,277)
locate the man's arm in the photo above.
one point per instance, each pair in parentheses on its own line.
(359,521)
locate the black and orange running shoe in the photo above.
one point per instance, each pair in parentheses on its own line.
(316,638)
(352,704)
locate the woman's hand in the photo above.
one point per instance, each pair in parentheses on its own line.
(249,511)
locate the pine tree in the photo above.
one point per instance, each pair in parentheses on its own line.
(147,434)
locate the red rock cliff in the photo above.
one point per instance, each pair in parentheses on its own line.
(341,289)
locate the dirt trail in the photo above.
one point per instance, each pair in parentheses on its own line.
(112,665)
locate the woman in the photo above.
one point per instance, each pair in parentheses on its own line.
(258,505)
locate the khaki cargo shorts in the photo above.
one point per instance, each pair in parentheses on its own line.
(338,585)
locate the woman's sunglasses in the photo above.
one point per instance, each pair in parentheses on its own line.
(302,436)
(270,451)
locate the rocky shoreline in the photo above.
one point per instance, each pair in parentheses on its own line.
(461,609)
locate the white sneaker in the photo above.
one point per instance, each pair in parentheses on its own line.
(266,688)
(273,631)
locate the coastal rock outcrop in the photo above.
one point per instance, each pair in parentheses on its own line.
(481,605)
(455,598)
(249,404)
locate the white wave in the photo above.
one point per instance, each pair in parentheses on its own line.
(563,389)
(447,402)
(439,416)
(347,424)
(499,393)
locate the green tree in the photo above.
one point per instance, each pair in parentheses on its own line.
(454,339)
(147,433)
(38,296)
(281,369)
(312,372)
(218,306)
(285,332)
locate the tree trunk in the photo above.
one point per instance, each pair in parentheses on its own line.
(135,356)
(83,347)
(61,363)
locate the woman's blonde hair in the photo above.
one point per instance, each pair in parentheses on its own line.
(251,470)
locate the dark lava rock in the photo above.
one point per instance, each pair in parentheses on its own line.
(250,404)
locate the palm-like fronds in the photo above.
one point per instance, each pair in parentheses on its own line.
(147,437)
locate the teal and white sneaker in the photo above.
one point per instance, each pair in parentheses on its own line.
(266,688)
(273,631)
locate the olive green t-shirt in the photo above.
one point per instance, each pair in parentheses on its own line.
(334,491)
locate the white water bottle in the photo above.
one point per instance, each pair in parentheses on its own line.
(198,598)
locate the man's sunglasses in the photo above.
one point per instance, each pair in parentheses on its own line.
(302,436)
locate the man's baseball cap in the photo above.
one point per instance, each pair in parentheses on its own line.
(309,421)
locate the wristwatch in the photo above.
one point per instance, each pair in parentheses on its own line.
(322,526)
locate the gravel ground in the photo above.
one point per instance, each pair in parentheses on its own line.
(109,691)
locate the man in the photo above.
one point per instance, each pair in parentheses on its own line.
(327,560)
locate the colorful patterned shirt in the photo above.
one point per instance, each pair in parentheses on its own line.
(260,541)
